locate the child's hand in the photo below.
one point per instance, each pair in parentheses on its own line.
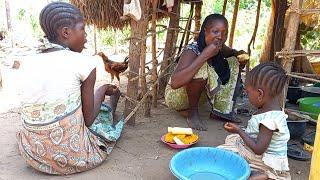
(231,127)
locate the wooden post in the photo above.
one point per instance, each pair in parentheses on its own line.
(290,42)
(265,54)
(252,41)
(224,7)
(143,81)
(95,38)
(197,20)
(134,64)
(278,39)
(234,22)
(170,47)
(189,23)
(154,53)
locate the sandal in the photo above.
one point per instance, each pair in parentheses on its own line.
(296,152)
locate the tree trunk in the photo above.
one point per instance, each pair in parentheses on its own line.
(197,19)
(134,64)
(234,22)
(224,7)
(154,53)
(143,81)
(170,47)
(278,40)
(290,42)
(265,55)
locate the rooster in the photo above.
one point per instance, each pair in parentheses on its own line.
(114,68)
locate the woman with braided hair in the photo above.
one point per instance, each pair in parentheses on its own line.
(67,127)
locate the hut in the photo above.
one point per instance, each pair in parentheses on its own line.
(279,39)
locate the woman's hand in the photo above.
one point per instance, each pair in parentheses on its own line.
(231,127)
(211,50)
(111,89)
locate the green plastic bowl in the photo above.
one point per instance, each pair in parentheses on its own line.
(310,105)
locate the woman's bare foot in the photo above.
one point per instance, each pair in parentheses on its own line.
(195,122)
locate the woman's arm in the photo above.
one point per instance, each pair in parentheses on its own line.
(91,102)
(189,64)
(259,145)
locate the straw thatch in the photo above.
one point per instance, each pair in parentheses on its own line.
(106,13)
(311,20)
(102,13)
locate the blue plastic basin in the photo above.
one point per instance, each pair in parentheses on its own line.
(204,163)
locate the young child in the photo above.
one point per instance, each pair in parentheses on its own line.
(264,142)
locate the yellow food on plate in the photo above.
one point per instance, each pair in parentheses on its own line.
(186,139)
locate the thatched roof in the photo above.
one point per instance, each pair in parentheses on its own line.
(107,13)
(311,20)
(102,13)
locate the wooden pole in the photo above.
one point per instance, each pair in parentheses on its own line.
(252,41)
(278,39)
(234,22)
(154,53)
(197,19)
(134,64)
(143,81)
(95,38)
(265,54)
(224,7)
(170,46)
(290,41)
(189,23)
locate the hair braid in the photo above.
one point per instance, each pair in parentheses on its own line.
(57,15)
(269,76)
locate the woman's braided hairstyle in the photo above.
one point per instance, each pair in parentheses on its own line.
(57,15)
(269,76)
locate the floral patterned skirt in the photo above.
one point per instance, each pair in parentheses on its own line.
(68,146)
(222,101)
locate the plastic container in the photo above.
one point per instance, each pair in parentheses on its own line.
(315,162)
(297,128)
(310,105)
(207,163)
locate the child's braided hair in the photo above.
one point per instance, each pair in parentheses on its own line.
(269,76)
(57,15)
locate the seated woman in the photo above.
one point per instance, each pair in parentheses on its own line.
(66,128)
(208,65)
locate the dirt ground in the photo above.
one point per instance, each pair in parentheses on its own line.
(139,154)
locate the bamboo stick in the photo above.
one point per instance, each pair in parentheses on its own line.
(154,54)
(304,78)
(234,21)
(306,75)
(189,23)
(297,53)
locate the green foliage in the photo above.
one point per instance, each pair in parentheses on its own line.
(21,14)
(310,39)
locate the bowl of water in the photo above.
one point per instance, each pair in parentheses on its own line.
(209,163)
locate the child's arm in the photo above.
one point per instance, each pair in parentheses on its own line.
(259,145)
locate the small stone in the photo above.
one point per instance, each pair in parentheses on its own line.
(157,157)
(298,172)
